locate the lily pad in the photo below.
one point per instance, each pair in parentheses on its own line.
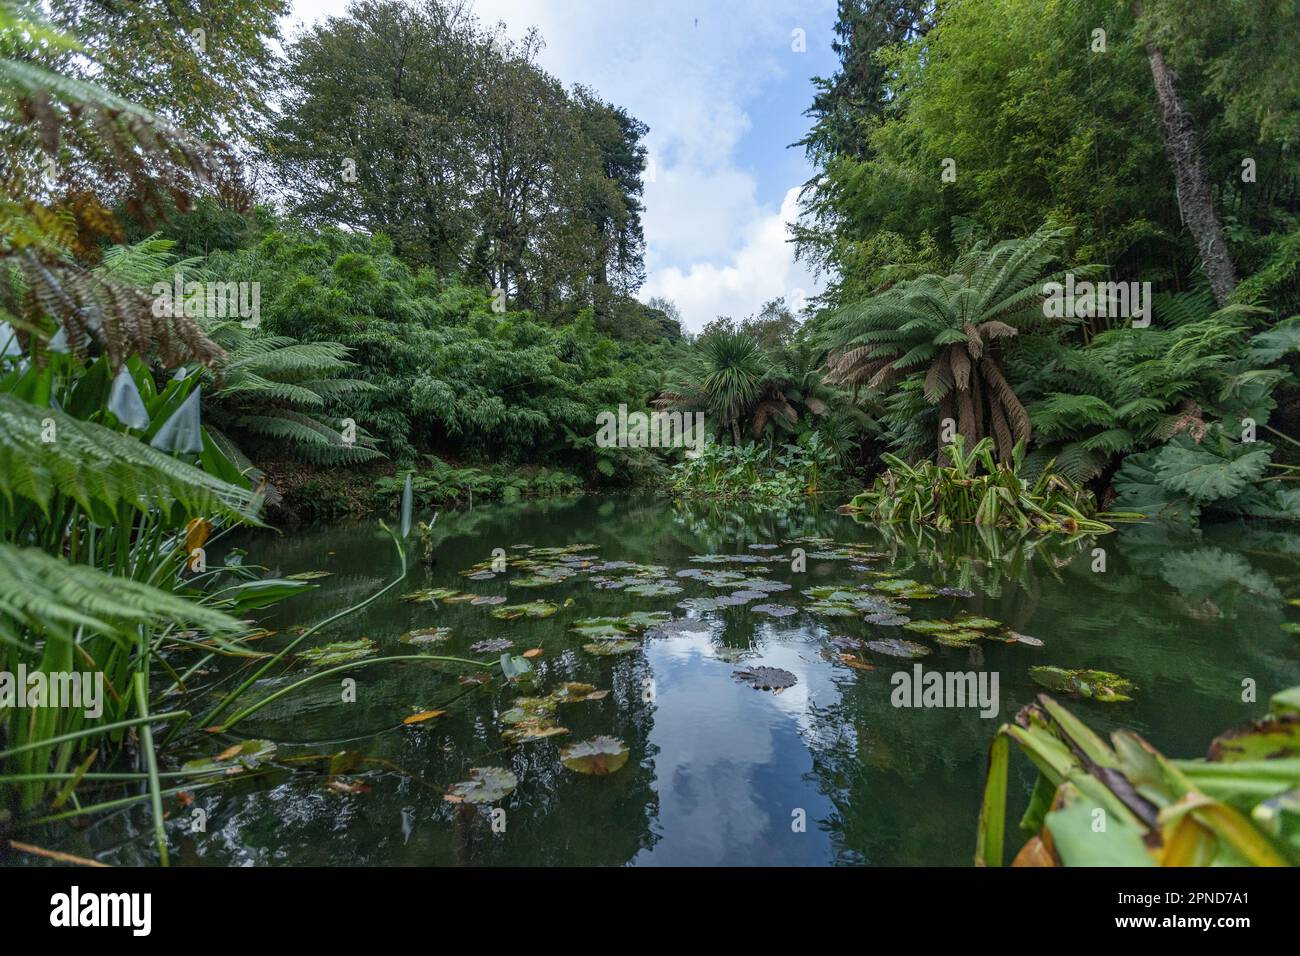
(491,646)
(1083,682)
(242,756)
(897,647)
(485,785)
(775,610)
(533,609)
(599,756)
(338,652)
(610,648)
(424,636)
(432,595)
(603,628)
(487,599)
(766,678)
(654,589)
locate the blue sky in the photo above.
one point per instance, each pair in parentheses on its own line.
(723,90)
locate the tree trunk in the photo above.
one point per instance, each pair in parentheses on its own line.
(1195,203)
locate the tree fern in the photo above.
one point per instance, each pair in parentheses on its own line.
(102,470)
(41,593)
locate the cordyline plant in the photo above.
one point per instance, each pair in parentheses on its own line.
(944,496)
(1128,805)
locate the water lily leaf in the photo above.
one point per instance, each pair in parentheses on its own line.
(886,619)
(1023,639)
(533,609)
(491,645)
(639,620)
(338,652)
(424,636)
(599,756)
(766,678)
(1083,682)
(698,604)
(574,692)
(485,785)
(537,581)
(654,589)
(488,600)
(242,756)
(535,729)
(610,648)
(747,596)
(422,716)
(528,708)
(829,609)
(603,628)
(958,638)
(515,667)
(897,647)
(433,595)
(775,610)
(955,592)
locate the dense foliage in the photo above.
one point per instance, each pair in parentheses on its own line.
(1100,142)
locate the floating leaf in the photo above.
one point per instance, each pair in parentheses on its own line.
(610,648)
(485,785)
(532,652)
(244,755)
(766,678)
(599,756)
(897,647)
(308,575)
(654,589)
(338,652)
(422,637)
(491,645)
(422,716)
(857,663)
(1095,685)
(432,595)
(1014,638)
(774,610)
(515,667)
(533,609)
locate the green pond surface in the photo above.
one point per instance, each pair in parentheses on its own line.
(719,772)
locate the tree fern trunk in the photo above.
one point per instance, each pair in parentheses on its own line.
(1195,203)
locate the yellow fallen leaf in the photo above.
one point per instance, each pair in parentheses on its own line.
(230,752)
(533,652)
(423,716)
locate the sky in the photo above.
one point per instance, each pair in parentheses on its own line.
(722,84)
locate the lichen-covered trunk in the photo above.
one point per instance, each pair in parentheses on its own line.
(1195,203)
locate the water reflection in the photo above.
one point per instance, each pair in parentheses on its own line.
(721,773)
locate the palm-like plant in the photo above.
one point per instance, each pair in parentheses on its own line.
(940,334)
(272,386)
(725,375)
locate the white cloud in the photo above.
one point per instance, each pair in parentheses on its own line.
(763,268)
(693,73)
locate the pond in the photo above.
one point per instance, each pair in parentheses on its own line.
(825,771)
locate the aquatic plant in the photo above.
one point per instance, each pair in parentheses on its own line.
(974,489)
(1236,807)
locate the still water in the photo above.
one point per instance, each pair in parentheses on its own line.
(720,772)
